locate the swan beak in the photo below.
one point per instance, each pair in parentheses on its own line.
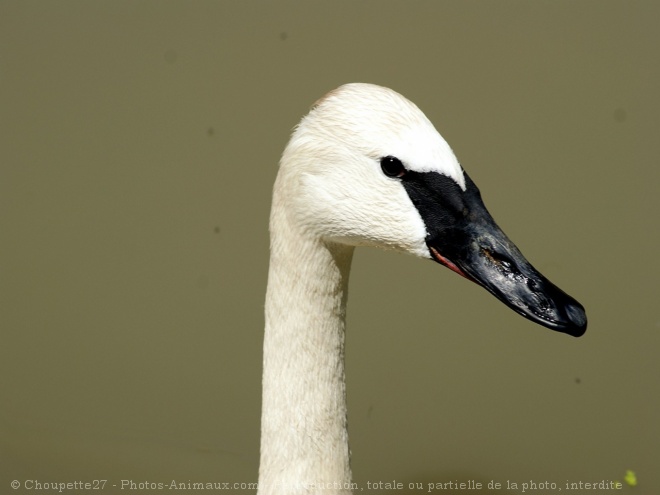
(465,238)
(491,260)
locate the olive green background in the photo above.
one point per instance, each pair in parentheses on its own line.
(138,146)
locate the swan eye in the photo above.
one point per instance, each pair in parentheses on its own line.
(392,166)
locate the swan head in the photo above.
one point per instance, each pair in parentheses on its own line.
(366,167)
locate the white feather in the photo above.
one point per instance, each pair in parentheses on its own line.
(329,196)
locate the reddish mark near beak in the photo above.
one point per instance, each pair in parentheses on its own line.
(444,261)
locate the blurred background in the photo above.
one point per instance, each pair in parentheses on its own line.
(138,146)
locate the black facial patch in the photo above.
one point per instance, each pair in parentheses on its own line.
(441,202)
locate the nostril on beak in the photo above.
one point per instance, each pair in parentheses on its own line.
(496,259)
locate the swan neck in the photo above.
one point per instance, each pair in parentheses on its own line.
(304,439)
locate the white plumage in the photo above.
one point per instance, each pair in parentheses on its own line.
(331,194)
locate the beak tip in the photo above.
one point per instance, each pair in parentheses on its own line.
(578,318)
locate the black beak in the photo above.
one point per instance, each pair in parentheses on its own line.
(463,236)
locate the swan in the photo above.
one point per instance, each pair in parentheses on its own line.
(365,167)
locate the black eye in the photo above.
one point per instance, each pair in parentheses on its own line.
(392,166)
